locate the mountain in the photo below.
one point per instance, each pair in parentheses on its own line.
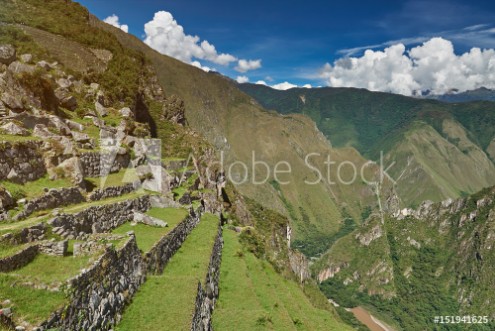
(65,68)
(433,144)
(481,94)
(416,264)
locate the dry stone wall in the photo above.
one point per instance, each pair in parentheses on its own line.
(98,295)
(19,259)
(54,198)
(98,219)
(95,164)
(113,191)
(208,294)
(21,162)
(163,250)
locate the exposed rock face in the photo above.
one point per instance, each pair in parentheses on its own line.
(72,168)
(299,265)
(7,54)
(65,99)
(14,129)
(174,110)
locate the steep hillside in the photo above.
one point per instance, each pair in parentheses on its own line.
(235,124)
(427,154)
(436,260)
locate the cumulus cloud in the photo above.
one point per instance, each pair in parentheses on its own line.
(432,66)
(242,79)
(247,65)
(114,20)
(166,36)
(282,86)
(198,64)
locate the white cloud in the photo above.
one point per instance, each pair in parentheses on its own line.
(165,35)
(284,86)
(432,66)
(198,64)
(114,20)
(242,79)
(247,65)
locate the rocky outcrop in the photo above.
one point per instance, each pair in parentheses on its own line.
(208,294)
(19,259)
(174,110)
(21,162)
(299,265)
(6,200)
(54,198)
(7,54)
(98,219)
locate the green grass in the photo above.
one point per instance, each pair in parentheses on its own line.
(147,236)
(36,188)
(9,250)
(121,178)
(167,301)
(253,296)
(30,304)
(12,138)
(51,270)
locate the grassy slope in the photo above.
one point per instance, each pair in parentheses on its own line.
(265,300)
(374,122)
(147,236)
(167,301)
(232,122)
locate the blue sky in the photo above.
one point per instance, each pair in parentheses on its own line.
(295,39)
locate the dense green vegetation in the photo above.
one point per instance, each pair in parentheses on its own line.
(168,300)
(417,268)
(369,120)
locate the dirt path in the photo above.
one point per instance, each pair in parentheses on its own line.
(370,321)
